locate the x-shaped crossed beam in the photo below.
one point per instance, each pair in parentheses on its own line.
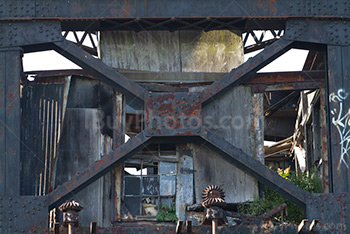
(174,117)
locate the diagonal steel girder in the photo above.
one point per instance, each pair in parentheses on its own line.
(245,71)
(229,152)
(133,92)
(99,168)
(254,168)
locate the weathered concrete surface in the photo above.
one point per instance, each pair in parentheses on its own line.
(149,51)
(185,51)
(213,51)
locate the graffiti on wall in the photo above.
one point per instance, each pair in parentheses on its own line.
(341,120)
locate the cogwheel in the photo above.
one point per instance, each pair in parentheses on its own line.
(213,195)
(73,205)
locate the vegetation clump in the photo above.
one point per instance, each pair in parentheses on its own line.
(309,181)
(166,213)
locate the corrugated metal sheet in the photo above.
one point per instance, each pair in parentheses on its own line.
(43,103)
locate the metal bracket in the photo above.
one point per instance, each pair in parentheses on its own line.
(15,34)
(173,114)
(315,31)
(23,214)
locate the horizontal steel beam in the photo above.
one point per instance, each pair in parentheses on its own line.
(268,78)
(300,80)
(85,177)
(246,70)
(104,9)
(255,169)
(134,93)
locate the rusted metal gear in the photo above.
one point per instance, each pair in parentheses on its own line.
(70,213)
(213,196)
(73,205)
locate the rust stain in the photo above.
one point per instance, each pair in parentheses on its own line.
(273,4)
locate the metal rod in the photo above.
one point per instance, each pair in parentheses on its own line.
(70,228)
(214,226)
(179,226)
(188,226)
(92,227)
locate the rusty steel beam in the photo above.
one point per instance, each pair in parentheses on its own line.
(195,77)
(255,169)
(10,118)
(133,92)
(85,177)
(271,78)
(300,80)
(245,71)
(110,9)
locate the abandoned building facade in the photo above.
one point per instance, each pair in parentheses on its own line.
(165,104)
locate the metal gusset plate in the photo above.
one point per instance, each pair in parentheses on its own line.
(173,114)
(14,34)
(335,32)
(27,214)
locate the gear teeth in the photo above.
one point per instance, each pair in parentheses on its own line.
(213,195)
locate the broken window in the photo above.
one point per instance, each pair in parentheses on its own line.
(149,180)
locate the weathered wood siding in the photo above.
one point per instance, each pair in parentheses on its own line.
(237,116)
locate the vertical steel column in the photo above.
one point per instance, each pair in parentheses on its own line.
(338,59)
(10,71)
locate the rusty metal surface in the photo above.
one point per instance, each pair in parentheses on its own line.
(331,32)
(259,81)
(279,208)
(338,118)
(98,169)
(245,71)
(136,228)
(75,9)
(29,33)
(27,214)
(10,73)
(173,114)
(331,210)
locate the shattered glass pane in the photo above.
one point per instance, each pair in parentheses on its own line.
(167,168)
(167,185)
(133,205)
(150,186)
(132,185)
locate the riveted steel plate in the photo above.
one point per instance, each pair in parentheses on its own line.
(27,214)
(315,31)
(14,34)
(18,8)
(331,209)
(173,114)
